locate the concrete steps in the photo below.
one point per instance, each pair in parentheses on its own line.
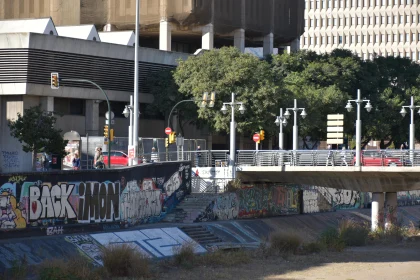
(201,234)
(190,208)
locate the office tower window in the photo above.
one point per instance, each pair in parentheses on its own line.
(311,24)
(304,41)
(413,18)
(341,22)
(330,22)
(413,56)
(364,39)
(317,4)
(389,20)
(395,20)
(407,19)
(359,21)
(328,40)
(334,40)
(383,38)
(316,23)
(377,22)
(311,41)
(311,4)
(389,38)
(401,38)
(407,37)
(352,39)
(348,3)
(352,21)
(322,40)
(328,4)
(383,3)
(358,39)
(413,37)
(377,38)
(408,2)
(401,19)
(342,4)
(340,39)
(371,39)
(395,39)
(372,2)
(336,4)
(335,22)
(382,20)
(365,21)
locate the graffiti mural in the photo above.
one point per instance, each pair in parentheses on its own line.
(53,200)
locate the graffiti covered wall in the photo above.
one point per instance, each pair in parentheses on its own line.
(122,197)
(252,202)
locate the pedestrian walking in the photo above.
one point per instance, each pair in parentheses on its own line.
(98,161)
(154,156)
(343,156)
(76,162)
(330,156)
(198,156)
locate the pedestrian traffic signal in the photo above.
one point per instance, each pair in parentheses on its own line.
(55,82)
(167,142)
(111,134)
(172,137)
(106,131)
(262,135)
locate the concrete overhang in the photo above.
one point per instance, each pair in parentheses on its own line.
(364,179)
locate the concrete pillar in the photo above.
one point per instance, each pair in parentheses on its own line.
(377,215)
(239,39)
(165,36)
(92,118)
(47,103)
(207,39)
(294,46)
(391,209)
(268,44)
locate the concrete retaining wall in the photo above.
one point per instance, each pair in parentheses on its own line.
(51,203)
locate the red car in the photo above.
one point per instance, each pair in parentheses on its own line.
(378,158)
(117,158)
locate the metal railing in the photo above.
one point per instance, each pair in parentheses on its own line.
(220,158)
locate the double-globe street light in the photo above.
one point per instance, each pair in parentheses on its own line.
(295,109)
(368,108)
(403,112)
(281,121)
(224,110)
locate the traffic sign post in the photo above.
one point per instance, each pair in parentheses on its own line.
(256,139)
(168,130)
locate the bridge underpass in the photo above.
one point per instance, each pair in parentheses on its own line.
(383,181)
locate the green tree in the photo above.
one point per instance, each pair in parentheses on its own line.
(389,82)
(35,130)
(320,83)
(165,93)
(224,71)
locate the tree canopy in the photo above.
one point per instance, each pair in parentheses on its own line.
(35,130)
(321,83)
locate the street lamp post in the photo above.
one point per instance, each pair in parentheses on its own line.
(136,88)
(368,108)
(232,130)
(129,113)
(295,109)
(403,112)
(281,121)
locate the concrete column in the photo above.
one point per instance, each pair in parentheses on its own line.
(207,39)
(47,103)
(391,209)
(92,118)
(268,44)
(294,46)
(377,215)
(239,39)
(165,36)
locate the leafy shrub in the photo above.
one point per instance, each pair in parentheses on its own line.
(184,255)
(312,247)
(285,242)
(330,238)
(352,233)
(123,261)
(75,268)
(225,258)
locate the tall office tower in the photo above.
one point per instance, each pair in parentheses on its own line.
(366,27)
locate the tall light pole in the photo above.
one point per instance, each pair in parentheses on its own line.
(280,121)
(295,109)
(412,127)
(232,130)
(368,108)
(136,88)
(129,113)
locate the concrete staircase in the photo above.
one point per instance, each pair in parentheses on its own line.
(201,234)
(190,208)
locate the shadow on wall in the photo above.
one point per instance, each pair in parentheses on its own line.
(56,201)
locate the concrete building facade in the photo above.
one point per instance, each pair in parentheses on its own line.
(366,27)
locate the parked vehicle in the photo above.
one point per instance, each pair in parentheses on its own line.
(117,158)
(378,158)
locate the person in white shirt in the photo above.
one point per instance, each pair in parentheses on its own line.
(154,157)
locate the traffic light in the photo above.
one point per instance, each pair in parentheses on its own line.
(172,137)
(167,142)
(106,131)
(111,134)
(55,81)
(262,135)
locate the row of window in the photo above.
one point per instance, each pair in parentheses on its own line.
(361,39)
(362,21)
(337,4)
